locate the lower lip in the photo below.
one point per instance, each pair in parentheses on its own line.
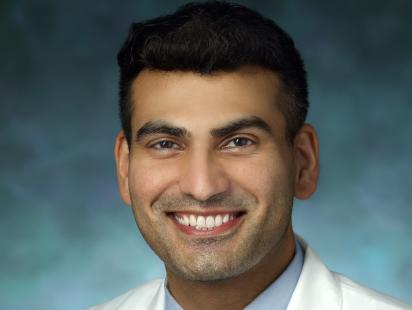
(191,230)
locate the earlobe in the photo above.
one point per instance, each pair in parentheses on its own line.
(121,154)
(306,154)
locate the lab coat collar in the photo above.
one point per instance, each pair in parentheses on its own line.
(316,288)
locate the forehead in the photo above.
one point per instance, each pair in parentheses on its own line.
(205,100)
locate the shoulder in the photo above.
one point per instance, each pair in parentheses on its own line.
(320,288)
(147,296)
(365,298)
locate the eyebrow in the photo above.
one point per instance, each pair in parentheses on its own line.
(241,123)
(161,127)
(164,127)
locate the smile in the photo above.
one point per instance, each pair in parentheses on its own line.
(209,224)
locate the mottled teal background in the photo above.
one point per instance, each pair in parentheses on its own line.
(67,240)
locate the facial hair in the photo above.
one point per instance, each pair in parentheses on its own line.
(219,257)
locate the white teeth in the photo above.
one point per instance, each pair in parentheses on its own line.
(218,220)
(210,222)
(200,221)
(192,220)
(179,219)
(204,223)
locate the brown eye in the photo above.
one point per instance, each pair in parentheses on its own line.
(164,144)
(239,142)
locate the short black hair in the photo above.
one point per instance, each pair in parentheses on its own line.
(209,37)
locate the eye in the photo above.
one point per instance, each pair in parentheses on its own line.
(238,142)
(164,145)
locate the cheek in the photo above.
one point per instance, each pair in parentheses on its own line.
(271,183)
(147,181)
(263,178)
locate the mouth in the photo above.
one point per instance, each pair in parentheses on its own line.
(206,223)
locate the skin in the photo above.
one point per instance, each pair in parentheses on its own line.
(252,169)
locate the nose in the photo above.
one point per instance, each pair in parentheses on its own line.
(203,177)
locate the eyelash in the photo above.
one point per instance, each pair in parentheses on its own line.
(153,146)
(249,143)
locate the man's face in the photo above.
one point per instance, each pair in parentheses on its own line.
(210,174)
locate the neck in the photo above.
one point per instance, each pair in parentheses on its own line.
(237,292)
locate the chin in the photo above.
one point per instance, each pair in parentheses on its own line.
(212,268)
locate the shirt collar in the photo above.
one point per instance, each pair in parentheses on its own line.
(276,296)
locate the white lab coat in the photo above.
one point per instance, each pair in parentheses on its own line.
(318,288)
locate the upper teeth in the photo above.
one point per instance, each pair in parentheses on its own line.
(201,222)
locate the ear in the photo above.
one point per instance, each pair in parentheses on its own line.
(306,154)
(121,155)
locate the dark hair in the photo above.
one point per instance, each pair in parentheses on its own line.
(209,37)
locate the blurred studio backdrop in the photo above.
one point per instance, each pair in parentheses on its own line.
(67,240)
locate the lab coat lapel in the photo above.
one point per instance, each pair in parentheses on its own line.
(316,288)
(158,300)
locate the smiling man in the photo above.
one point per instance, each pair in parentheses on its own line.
(213,150)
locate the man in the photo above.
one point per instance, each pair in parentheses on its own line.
(213,150)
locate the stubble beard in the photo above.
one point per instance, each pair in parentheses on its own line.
(218,258)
